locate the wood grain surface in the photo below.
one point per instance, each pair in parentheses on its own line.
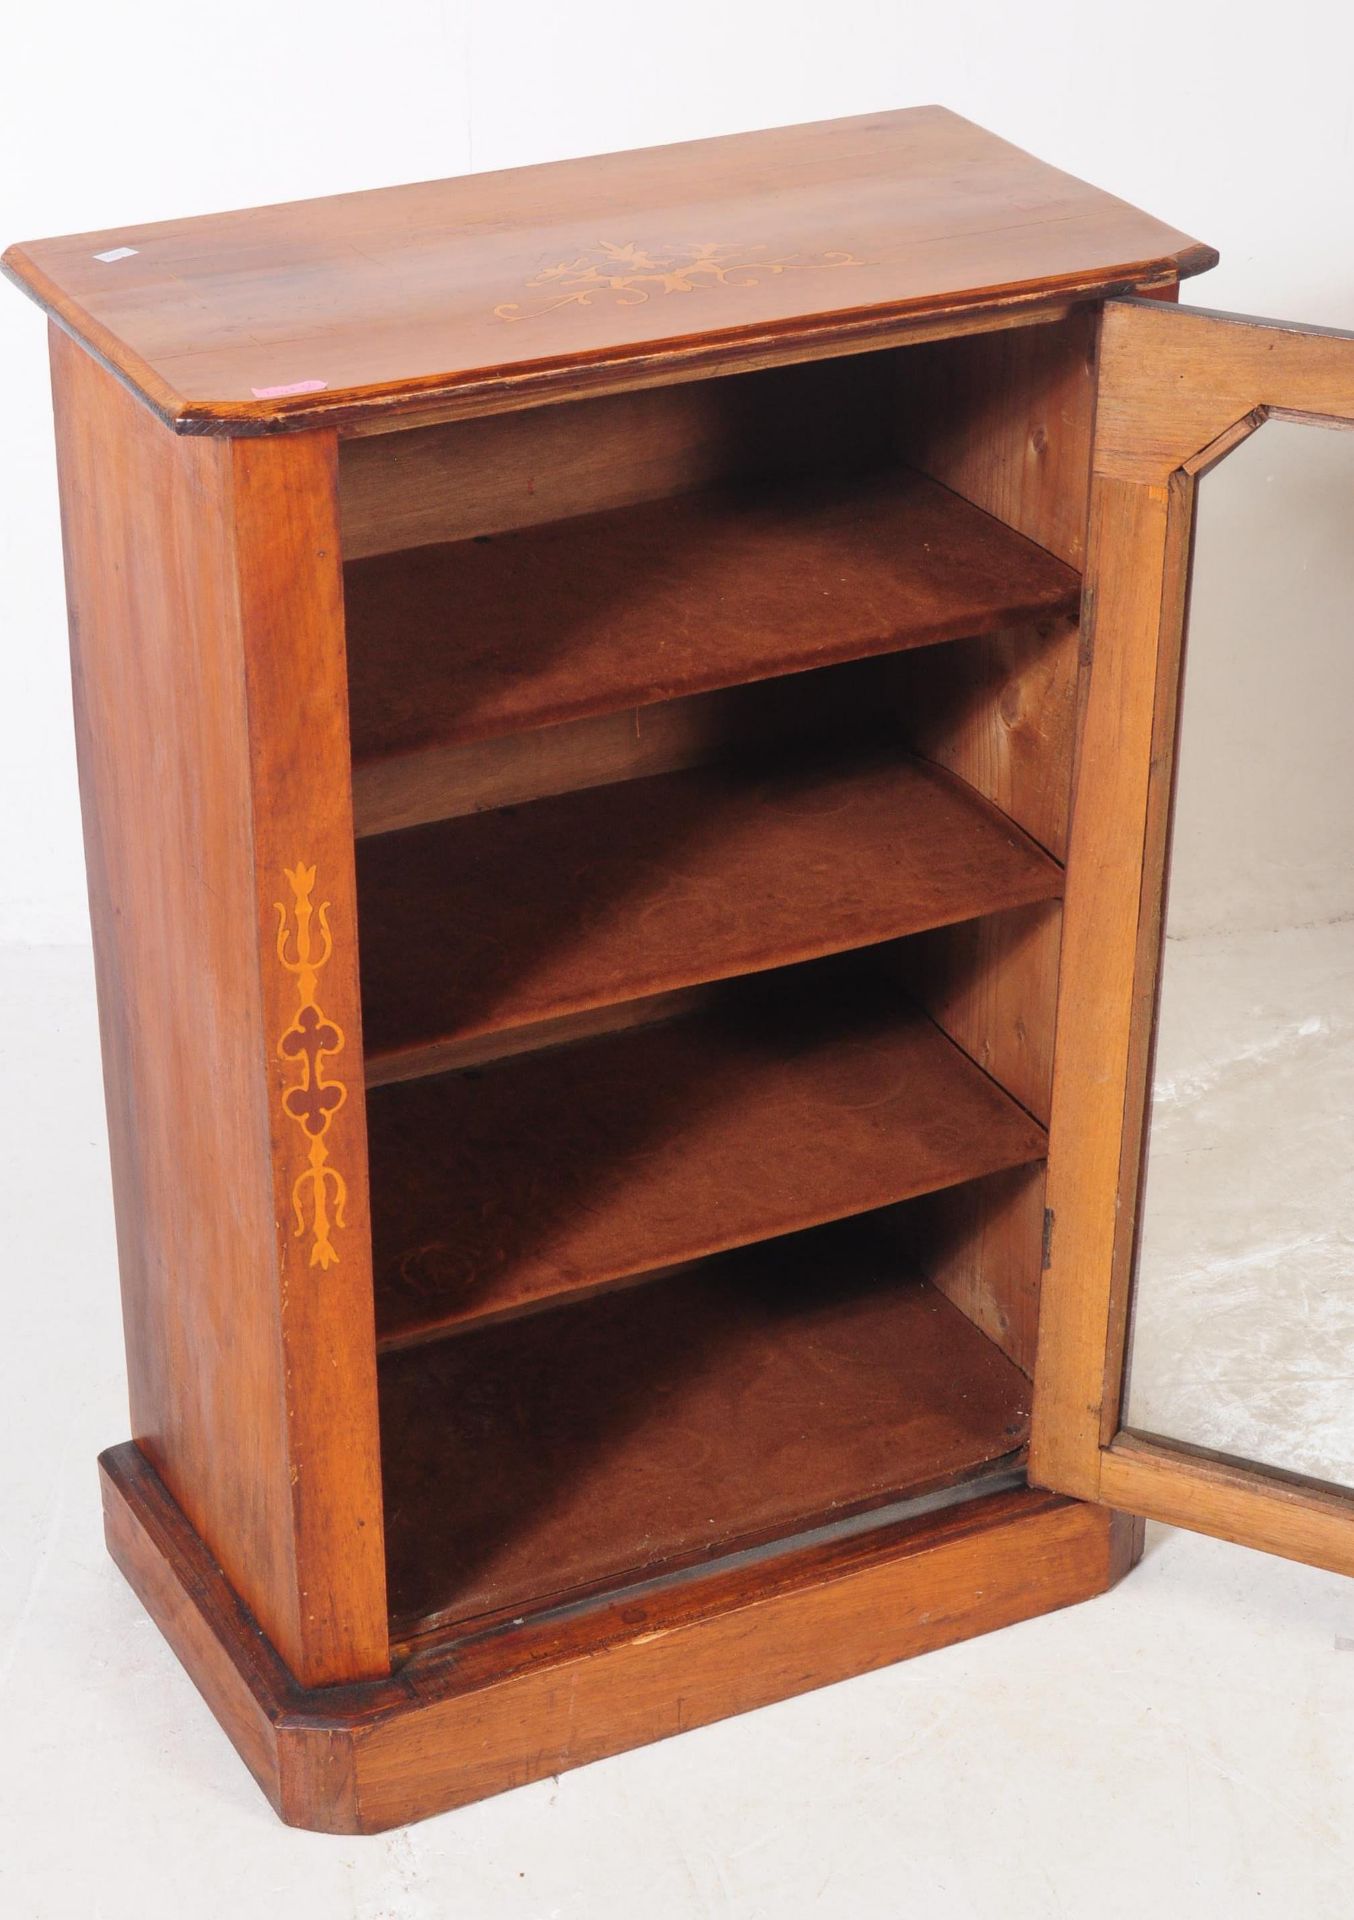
(480,637)
(1005,419)
(553,278)
(1254,1506)
(793,1102)
(1174,379)
(1179,389)
(1095,996)
(604,1442)
(841,708)
(768,1256)
(204,594)
(511,1708)
(500,920)
(425,485)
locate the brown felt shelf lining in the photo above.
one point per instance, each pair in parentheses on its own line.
(541,1459)
(482,637)
(793,1100)
(481,925)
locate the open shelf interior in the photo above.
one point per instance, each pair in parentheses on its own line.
(712,756)
(506,632)
(773,1390)
(476,927)
(781,1104)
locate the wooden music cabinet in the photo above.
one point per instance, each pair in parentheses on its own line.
(625,874)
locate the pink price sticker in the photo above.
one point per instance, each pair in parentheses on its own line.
(285,393)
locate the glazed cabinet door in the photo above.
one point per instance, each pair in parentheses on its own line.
(1197,1326)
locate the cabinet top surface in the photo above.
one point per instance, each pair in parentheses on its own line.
(552,280)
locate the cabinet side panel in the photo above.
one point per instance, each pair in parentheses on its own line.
(1000,713)
(285,514)
(1005,420)
(162,733)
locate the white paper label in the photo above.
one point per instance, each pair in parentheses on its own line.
(284,393)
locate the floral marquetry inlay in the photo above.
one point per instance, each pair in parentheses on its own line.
(630,275)
(304,946)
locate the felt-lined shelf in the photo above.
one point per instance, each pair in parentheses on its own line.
(789,1103)
(767,1392)
(482,637)
(479,926)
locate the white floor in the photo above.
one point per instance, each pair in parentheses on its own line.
(1183,1747)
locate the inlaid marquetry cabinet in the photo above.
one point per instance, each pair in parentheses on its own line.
(625,719)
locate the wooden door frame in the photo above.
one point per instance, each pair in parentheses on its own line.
(1179,388)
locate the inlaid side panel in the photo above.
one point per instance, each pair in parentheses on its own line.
(206,635)
(284,496)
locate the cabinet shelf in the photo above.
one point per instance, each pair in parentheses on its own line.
(770,1391)
(482,637)
(484,925)
(787,1104)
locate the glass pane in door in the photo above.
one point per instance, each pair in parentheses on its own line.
(1242,1334)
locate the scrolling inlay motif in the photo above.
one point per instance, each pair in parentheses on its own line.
(314,1100)
(631,275)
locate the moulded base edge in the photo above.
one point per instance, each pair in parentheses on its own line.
(456,1723)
